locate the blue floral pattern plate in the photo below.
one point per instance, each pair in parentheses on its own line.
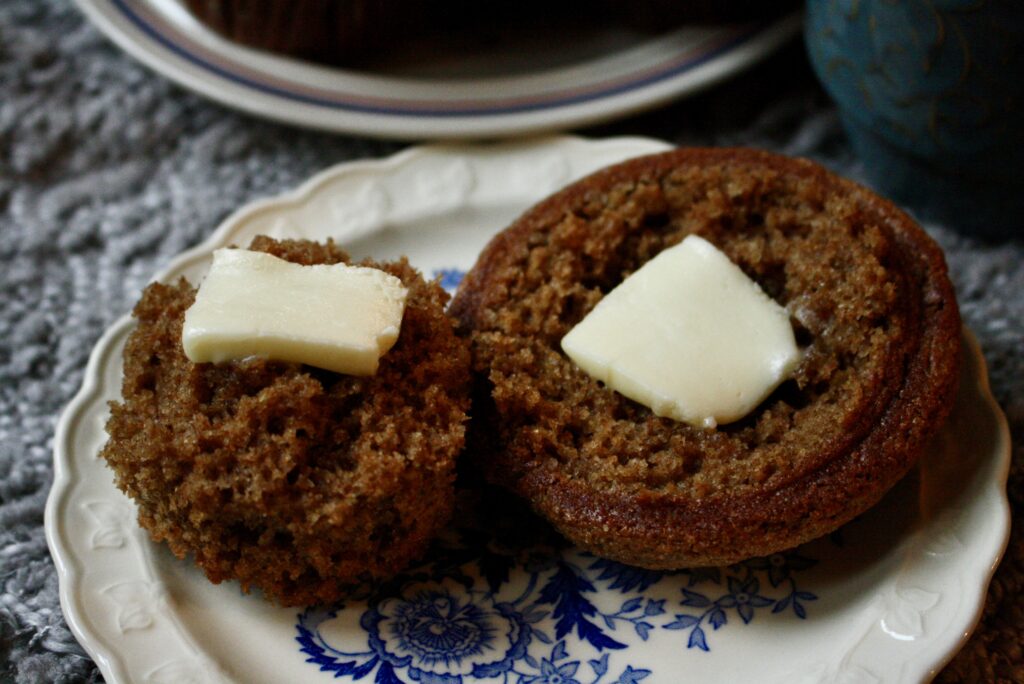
(888,598)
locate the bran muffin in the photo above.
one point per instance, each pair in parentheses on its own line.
(285,477)
(871,305)
(370,33)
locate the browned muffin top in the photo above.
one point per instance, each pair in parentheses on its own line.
(865,287)
(287,477)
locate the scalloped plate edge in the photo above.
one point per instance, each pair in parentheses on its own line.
(68,565)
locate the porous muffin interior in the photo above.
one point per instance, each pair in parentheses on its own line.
(287,477)
(814,247)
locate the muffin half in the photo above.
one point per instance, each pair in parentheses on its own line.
(871,305)
(286,477)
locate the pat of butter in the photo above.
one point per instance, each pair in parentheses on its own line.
(688,335)
(339,317)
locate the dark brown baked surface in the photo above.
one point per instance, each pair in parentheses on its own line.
(871,303)
(337,31)
(379,33)
(286,477)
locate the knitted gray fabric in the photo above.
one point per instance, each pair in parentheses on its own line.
(107,171)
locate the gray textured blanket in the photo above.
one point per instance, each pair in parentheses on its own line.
(107,171)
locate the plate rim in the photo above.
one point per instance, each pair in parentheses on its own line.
(974,354)
(159,55)
(68,565)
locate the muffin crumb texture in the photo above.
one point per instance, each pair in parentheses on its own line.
(871,306)
(285,477)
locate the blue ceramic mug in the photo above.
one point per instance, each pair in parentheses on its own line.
(931,93)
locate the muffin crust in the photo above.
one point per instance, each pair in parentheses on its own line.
(871,304)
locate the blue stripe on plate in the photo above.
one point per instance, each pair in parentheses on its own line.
(453,110)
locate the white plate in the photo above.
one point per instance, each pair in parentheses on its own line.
(889,599)
(544,87)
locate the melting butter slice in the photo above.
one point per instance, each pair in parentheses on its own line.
(339,317)
(688,335)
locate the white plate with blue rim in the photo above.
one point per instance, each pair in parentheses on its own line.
(889,598)
(549,85)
